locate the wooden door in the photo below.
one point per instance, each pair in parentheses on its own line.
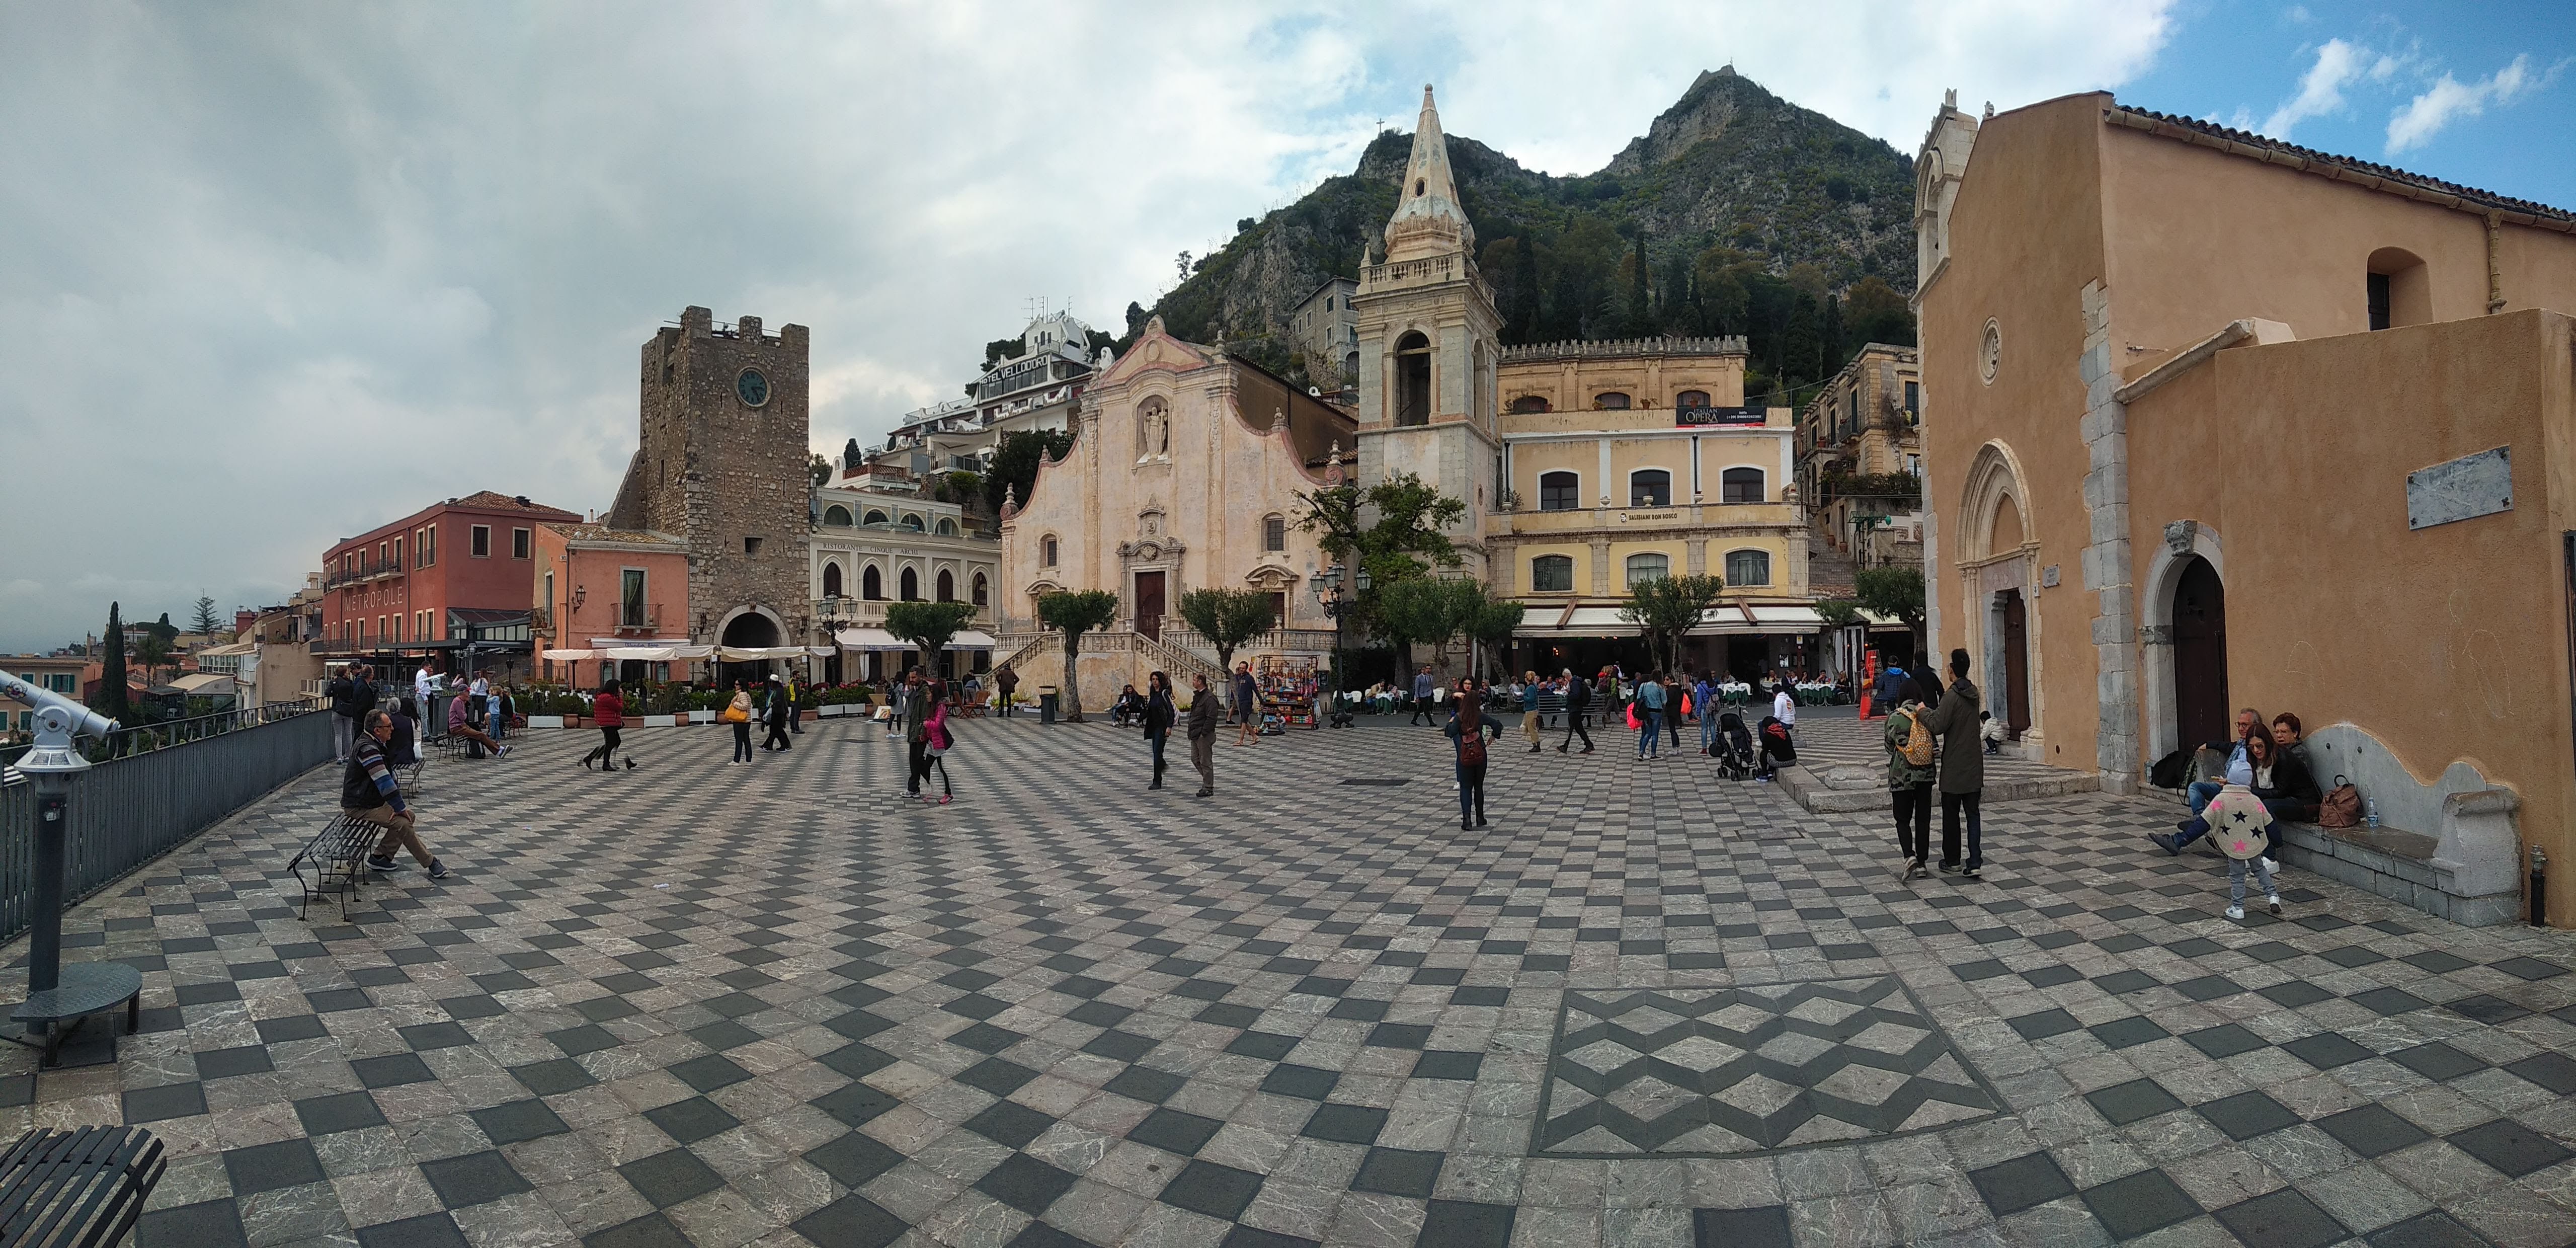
(2016,665)
(2200,656)
(1149,604)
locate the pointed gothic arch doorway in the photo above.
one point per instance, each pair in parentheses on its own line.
(2199,655)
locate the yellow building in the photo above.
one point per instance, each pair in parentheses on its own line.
(1585,466)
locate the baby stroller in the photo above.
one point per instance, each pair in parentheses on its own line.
(1776,747)
(1734,748)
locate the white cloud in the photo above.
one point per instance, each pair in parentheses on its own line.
(2320,89)
(278,278)
(2448,100)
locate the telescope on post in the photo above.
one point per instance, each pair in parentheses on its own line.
(56,993)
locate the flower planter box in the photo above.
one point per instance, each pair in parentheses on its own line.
(545,721)
(832,710)
(661,721)
(683,719)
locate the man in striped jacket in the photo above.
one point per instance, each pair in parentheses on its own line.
(368,791)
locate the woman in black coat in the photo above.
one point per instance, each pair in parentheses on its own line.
(1159,715)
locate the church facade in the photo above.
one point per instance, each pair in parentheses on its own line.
(1184,473)
(1584,468)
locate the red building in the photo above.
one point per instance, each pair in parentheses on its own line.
(451,577)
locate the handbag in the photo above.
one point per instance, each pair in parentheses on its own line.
(2342,807)
(736,715)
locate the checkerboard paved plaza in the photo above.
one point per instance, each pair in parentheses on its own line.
(775,1003)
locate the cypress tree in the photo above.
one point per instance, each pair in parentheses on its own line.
(1801,346)
(1835,349)
(111,677)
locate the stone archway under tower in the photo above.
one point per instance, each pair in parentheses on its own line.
(748,628)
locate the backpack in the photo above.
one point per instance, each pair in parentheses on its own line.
(2171,770)
(1471,743)
(2342,807)
(1918,741)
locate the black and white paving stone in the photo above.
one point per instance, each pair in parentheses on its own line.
(780,1004)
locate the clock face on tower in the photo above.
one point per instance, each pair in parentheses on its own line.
(753,387)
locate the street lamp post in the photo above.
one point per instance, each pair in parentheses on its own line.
(1339,604)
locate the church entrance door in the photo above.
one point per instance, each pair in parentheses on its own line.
(1149,604)
(2200,656)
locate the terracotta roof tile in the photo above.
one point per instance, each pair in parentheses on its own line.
(2401,181)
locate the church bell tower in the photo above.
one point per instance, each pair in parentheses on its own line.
(1428,347)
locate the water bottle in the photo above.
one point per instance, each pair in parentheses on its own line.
(2370,812)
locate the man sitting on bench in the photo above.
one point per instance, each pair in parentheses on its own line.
(369,793)
(460,723)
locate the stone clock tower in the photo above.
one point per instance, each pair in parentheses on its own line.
(722,464)
(1428,347)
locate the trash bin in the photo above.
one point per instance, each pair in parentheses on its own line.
(1046,704)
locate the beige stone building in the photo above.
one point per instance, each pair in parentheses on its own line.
(1185,470)
(1860,458)
(2213,421)
(879,540)
(1327,333)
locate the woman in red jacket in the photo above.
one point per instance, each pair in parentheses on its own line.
(610,711)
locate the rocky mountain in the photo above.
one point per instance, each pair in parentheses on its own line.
(1732,213)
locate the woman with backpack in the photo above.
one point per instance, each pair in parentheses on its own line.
(1910,750)
(1468,731)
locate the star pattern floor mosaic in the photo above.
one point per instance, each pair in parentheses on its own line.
(779,1004)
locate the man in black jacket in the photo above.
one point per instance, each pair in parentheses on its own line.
(352,695)
(1578,700)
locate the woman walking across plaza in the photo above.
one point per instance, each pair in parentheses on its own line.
(738,713)
(1531,690)
(777,713)
(1158,720)
(609,711)
(935,740)
(1468,731)
(1203,716)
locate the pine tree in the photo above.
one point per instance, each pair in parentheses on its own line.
(1835,349)
(110,700)
(1801,345)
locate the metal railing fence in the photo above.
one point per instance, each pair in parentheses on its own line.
(135,806)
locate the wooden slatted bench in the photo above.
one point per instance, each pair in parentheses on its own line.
(77,1189)
(337,852)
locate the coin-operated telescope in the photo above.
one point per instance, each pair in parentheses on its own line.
(56,993)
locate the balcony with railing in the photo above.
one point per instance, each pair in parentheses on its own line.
(362,571)
(838,613)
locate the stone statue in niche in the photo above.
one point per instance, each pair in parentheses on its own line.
(1153,431)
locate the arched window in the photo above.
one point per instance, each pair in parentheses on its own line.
(1552,574)
(1274,533)
(1529,403)
(1644,568)
(1650,487)
(874,517)
(1740,485)
(947,586)
(1610,401)
(1691,398)
(1046,551)
(979,589)
(1748,567)
(831,580)
(1413,380)
(2399,292)
(947,527)
(871,584)
(912,522)
(911,585)
(1559,491)
(836,516)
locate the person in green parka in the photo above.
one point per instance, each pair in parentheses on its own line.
(1909,777)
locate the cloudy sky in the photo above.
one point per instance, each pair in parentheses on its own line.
(275,273)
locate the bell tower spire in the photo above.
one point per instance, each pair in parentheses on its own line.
(1428,220)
